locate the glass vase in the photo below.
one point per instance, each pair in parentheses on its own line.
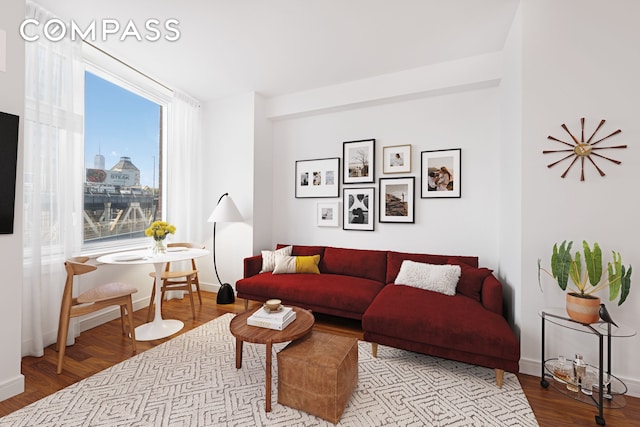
(159,247)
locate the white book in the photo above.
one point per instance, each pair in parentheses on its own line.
(273,315)
(271,323)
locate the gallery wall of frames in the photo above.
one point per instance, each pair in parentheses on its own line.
(439,177)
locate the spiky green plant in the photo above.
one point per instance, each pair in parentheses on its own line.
(588,281)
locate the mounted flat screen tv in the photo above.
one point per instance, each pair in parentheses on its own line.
(8,164)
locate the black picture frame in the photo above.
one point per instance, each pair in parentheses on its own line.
(397,200)
(318,178)
(440,174)
(359,209)
(359,161)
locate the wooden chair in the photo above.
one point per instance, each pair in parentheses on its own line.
(183,280)
(94,299)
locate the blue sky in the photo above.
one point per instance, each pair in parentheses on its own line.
(120,123)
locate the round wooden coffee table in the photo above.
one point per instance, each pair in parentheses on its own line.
(254,334)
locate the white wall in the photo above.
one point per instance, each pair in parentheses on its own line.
(12,101)
(580,59)
(438,79)
(262,214)
(230,135)
(511,192)
(466,119)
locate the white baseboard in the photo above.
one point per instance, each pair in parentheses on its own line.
(12,387)
(96,319)
(209,287)
(533,367)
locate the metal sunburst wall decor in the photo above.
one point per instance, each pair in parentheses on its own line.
(584,149)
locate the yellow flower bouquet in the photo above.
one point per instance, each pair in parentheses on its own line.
(159,230)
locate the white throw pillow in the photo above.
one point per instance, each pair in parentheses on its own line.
(285,264)
(269,258)
(432,277)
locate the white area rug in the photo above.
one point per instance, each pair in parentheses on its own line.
(191,380)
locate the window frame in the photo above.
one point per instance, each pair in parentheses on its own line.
(116,72)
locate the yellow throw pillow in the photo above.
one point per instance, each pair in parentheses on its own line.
(296,264)
(308,264)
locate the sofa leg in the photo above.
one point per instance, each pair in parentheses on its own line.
(246,304)
(499,377)
(374,349)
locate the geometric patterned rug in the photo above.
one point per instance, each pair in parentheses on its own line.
(191,380)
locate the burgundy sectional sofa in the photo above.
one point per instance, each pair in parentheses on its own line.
(359,284)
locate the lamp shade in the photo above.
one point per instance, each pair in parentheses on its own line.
(225,211)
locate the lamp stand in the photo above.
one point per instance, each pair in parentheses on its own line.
(225,211)
(225,293)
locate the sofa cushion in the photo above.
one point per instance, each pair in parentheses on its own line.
(452,322)
(296,264)
(368,264)
(304,250)
(269,258)
(394,261)
(432,277)
(350,295)
(471,279)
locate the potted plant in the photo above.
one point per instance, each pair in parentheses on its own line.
(582,305)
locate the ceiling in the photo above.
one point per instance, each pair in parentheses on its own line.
(275,47)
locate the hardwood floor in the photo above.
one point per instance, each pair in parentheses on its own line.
(104,346)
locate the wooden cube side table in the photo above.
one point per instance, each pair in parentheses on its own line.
(318,373)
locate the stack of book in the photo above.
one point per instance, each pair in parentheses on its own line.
(277,320)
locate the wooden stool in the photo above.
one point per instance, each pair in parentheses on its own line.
(318,373)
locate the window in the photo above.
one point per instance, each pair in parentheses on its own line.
(123,146)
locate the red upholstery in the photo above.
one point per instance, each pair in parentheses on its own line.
(252,265)
(455,327)
(355,262)
(470,283)
(335,294)
(492,294)
(298,250)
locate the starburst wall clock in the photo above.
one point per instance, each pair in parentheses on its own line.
(584,150)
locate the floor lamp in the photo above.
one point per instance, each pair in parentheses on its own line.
(225,211)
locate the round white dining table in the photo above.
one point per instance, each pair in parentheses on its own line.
(159,327)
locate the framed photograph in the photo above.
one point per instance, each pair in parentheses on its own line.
(440,173)
(358,158)
(359,209)
(396,159)
(318,178)
(328,214)
(397,199)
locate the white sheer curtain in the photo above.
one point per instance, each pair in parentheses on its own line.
(185,173)
(53,162)
(186,176)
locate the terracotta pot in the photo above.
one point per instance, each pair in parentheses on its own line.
(583,308)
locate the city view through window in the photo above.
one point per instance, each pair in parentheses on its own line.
(122,158)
